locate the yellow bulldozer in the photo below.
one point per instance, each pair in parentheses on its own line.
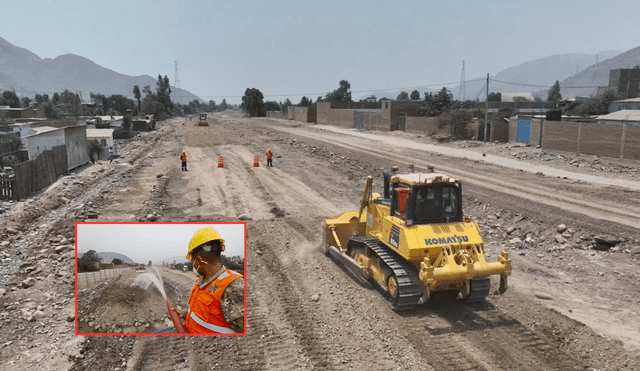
(203,120)
(415,240)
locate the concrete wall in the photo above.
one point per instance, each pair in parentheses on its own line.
(620,141)
(560,136)
(76,141)
(425,125)
(276,115)
(342,117)
(632,142)
(500,132)
(304,114)
(600,140)
(374,121)
(323,113)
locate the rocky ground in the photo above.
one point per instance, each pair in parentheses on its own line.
(571,304)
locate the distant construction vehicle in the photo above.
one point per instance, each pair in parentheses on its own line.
(414,240)
(203,120)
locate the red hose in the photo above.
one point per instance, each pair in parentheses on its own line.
(175,318)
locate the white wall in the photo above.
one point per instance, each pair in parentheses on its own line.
(38,143)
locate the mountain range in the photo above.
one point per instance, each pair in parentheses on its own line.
(27,74)
(107,257)
(586,82)
(533,76)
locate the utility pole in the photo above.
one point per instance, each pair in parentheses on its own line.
(462,90)
(176,80)
(486,112)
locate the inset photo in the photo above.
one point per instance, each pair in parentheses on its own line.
(160,278)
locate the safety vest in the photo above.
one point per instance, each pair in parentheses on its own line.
(183,157)
(205,314)
(269,155)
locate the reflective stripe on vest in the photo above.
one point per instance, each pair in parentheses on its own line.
(223,330)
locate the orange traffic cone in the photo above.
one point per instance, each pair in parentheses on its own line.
(220,162)
(255,161)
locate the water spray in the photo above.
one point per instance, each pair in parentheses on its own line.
(145,280)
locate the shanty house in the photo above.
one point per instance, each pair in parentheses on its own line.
(73,137)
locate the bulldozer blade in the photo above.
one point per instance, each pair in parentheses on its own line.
(351,265)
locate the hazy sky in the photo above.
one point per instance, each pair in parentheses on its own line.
(292,48)
(154,241)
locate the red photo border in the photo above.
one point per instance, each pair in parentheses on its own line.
(160,334)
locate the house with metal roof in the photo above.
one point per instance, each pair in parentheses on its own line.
(625,104)
(620,117)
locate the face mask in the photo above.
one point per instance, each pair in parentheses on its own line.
(198,263)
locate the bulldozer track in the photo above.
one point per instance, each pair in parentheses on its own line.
(408,284)
(295,343)
(161,353)
(455,339)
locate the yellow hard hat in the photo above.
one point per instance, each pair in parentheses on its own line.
(202,236)
(269,149)
(184,151)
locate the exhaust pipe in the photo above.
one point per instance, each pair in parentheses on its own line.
(175,318)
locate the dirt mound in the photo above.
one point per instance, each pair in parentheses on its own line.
(116,307)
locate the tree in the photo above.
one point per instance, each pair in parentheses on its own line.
(9,98)
(55,99)
(554,93)
(50,111)
(459,121)
(495,97)
(117,261)
(45,98)
(223,105)
(438,104)
(403,96)
(137,95)
(342,94)
(38,98)
(271,106)
(25,101)
(88,260)
(148,93)
(415,95)
(252,103)
(305,102)
(150,263)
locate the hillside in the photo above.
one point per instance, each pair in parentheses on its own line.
(598,75)
(107,257)
(539,72)
(28,74)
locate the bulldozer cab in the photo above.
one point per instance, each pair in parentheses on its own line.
(203,116)
(427,203)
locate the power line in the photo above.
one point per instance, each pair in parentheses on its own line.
(545,86)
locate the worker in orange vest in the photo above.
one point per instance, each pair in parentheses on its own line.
(269,157)
(216,305)
(183,158)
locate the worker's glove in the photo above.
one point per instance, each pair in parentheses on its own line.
(180,314)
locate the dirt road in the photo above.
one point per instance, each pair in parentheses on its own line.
(586,320)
